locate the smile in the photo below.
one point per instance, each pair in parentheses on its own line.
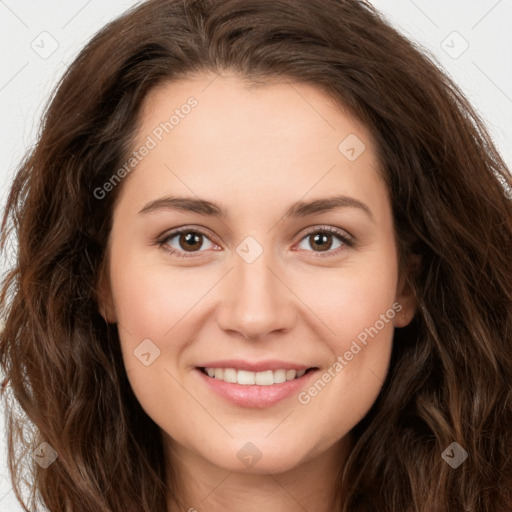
(248,378)
(255,389)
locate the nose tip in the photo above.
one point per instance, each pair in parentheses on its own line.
(256,303)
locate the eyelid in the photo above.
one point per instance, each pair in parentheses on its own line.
(344,235)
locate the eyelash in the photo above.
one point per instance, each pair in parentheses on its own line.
(346,240)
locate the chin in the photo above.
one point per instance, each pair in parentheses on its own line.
(260,456)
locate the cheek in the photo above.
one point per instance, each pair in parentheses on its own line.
(150,298)
(344,392)
(352,300)
(359,307)
(149,302)
(366,306)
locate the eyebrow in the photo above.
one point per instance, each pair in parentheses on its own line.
(298,209)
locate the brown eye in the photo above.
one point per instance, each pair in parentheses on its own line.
(325,240)
(185,241)
(321,241)
(190,240)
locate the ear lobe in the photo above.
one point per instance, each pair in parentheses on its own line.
(104,297)
(405,293)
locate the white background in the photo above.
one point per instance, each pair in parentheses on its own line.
(484,72)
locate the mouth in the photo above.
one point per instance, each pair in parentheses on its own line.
(248,378)
(260,389)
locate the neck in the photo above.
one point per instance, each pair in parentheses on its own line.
(199,485)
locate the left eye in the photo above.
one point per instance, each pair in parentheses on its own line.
(322,239)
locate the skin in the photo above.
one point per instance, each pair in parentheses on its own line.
(254,151)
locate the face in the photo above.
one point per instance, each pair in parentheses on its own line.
(282,281)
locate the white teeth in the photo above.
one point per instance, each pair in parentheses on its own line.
(291,374)
(244,377)
(279,376)
(230,375)
(264,378)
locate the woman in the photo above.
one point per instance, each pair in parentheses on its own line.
(265,368)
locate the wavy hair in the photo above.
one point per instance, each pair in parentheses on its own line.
(450,378)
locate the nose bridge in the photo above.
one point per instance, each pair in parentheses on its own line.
(256,301)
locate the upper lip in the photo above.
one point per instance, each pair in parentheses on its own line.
(255,366)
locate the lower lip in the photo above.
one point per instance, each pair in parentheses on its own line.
(255,395)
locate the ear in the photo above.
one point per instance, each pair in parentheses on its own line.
(405,294)
(104,295)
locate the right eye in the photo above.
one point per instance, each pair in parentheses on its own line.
(179,241)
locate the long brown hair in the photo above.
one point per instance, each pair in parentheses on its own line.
(450,378)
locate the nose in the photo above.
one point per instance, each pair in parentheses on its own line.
(256,300)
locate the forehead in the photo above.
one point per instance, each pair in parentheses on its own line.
(211,135)
(237,108)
